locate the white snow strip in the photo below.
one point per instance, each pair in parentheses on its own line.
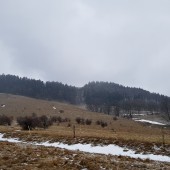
(139,114)
(135,114)
(107,149)
(12,140)
(149,121)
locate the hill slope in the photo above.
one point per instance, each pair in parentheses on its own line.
(14,105)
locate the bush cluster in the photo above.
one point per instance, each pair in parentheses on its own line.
(88,122)
(31,122)
(5,120)
(83,121)
(101,123)
(58,119)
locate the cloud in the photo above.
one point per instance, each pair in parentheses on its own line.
(77,41)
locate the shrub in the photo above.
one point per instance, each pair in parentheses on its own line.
(80,120)
(98,122)
(27,122)
(83,121)
(5,120)
(31,122)
(88,122)
(54,119)
(44,122)
(101,123)
(58,119)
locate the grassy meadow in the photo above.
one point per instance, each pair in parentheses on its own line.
(124,132)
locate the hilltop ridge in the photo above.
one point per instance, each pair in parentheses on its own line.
(97,96)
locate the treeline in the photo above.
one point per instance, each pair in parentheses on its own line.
(110,97)
(98,96)
(37,88)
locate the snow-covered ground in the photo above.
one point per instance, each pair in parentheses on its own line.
(139,114)
(148,121)
(136,114)
(107,149)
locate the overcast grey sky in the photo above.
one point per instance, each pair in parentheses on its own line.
(77,41)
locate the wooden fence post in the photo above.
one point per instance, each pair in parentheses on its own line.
(74,131)
(163,138)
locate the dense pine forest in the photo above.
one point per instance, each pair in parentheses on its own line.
(97,96)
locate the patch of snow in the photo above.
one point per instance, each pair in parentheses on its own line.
(54,108)
(108,149)
(135,118)
(12,140)
(135,114)
(138,114)
(149,121)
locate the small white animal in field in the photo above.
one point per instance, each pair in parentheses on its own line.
(2,105)
(54,108)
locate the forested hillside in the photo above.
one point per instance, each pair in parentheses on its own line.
(98,96)
(101,96)
(37,88)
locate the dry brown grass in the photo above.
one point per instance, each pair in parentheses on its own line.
(21,156)
(117,130)
(122,132)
